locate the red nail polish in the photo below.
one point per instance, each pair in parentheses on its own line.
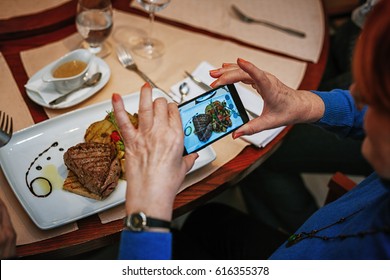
(241,60)
(115,97)
(237,134)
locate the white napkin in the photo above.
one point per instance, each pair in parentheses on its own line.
(47,90)
(261,139)
(251,100)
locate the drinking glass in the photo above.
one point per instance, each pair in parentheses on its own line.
(94,23)
(150,47)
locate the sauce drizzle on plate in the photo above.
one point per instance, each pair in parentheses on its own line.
(46,190)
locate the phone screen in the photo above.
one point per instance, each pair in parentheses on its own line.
(211,116)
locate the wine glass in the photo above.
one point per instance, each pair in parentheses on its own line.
(150,47)
(94,23)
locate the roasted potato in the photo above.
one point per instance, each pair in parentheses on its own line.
(99,132)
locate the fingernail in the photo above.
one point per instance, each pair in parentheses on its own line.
(241,60)
(115,97)
(237,134)
(214,71)
(213,84)
(146,85)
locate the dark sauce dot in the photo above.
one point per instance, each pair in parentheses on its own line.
(30,184)
(61,149)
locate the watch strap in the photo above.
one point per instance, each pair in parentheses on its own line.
(157,223)
(138,221)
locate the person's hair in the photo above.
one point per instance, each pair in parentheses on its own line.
(371,63)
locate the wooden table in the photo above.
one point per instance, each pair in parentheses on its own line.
(57,23)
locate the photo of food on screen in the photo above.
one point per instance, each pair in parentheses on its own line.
(208,118)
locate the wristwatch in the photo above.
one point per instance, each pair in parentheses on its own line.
(139,222)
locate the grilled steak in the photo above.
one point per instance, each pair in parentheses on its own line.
(203,126)
(95,165)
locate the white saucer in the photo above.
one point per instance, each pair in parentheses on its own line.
(76,97)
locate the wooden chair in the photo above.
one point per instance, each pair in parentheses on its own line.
(338,185)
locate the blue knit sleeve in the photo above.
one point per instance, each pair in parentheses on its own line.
(145,246)
(341,114)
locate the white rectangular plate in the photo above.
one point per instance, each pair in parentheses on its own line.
(31,155)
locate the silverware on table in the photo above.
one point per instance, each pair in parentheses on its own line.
(184,89)
(197,81)
(95,78)
(248,19)
(128,62)
(206,87)
(6,128)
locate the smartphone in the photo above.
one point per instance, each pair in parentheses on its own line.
(211,116)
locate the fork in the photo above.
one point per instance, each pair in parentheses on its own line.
(248,19)
(6,128)
(128,62)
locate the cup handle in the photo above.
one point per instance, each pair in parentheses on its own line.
(47,77)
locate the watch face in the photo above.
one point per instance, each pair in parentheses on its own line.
(136,221)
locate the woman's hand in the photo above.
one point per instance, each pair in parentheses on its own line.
(282,104)
(155,166)
(7,234)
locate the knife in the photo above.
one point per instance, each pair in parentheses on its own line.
(197,81)
(206,87)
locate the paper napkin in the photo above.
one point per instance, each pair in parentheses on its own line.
(251,100)
(45,90)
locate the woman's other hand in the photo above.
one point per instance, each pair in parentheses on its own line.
(282,104)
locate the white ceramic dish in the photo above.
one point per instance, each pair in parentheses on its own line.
(76,97)
(32,153)
(67,84)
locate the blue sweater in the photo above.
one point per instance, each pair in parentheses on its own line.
(369,204)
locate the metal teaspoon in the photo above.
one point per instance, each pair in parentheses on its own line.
(184,90)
